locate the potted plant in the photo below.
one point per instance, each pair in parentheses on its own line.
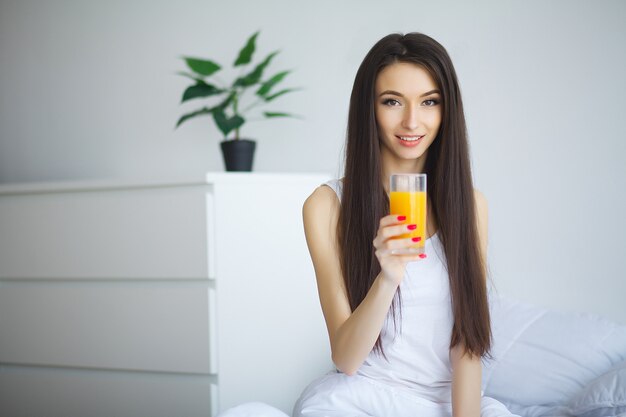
(227,112)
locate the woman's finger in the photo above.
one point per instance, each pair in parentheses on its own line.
(412,258)
(398,230)
(403,255)
(392,219)
(393,244)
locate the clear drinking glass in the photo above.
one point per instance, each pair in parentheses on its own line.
(407,197)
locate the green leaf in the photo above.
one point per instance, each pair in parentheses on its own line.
(280,93)
(225,124)
(202,66)
(275,114)
(245,55)
(255,76)
(201,89)
(196,113)
(192,76)
(267,85)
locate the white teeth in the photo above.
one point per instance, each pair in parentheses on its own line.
(410,139)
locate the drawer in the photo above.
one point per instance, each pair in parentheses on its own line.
(49,392)
(137,233)
(130,326)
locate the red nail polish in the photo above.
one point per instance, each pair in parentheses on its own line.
(422,255)
(412,227)
(416,239)
(401,218)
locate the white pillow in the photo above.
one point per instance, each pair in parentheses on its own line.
(546,357)
(604,397)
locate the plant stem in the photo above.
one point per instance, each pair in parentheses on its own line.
(235,100)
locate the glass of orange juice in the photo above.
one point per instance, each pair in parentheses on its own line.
(407,197)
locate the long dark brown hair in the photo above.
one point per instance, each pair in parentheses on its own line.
(449,187)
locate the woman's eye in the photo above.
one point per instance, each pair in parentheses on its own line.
(431,102)
(391,102)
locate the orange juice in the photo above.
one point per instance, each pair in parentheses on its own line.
(411,204)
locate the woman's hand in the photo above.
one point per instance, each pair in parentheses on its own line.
(394,254)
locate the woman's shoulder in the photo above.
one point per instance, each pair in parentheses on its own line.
(479,194)
(320,214)
(481,201)
(324,196)
(326,193)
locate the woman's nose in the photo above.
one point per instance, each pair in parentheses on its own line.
(410,120)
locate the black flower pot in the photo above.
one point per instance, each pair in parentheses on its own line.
(238,154)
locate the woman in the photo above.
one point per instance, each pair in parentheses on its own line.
(407,332)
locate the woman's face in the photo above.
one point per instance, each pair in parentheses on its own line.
(408,110)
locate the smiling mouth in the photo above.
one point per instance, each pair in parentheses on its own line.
(410,138)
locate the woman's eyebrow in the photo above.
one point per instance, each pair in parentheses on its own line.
(395,93)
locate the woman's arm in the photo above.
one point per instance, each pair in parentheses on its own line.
(466,370)
(352,334)
(466,382)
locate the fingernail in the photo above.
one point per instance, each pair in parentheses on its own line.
(422,255)
(401,218)
(412,227)
(416,239)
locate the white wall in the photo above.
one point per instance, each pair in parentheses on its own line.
(88,90)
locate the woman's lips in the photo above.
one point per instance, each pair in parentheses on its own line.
(408,142)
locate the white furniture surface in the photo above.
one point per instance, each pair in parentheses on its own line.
(157,298)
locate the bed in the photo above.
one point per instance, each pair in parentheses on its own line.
(546,363)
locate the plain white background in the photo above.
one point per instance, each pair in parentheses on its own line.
(88,90)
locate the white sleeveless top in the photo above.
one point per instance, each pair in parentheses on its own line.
(418,355)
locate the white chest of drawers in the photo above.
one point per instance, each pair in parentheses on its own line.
(157,298)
